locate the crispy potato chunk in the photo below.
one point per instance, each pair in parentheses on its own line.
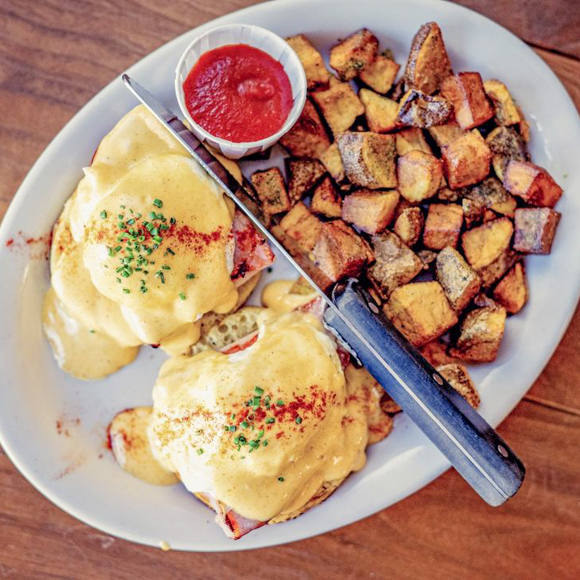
(445,134)
(354,54)
(325,199)
(505,144)
(466,159)
(481,334)
(411,139)
(419,175)
(380,74)
(442,226)
(486,243)
(316,74)
(370,211)
(395,264)
(417,109)
(491,274)
(420,311)
(532,183)
(380,112)
(271,190)
(459,282)
(332,161)
(535,229)
(436,353)
(369,159)
(458,377)
(506,112)
(428,64)
(304,174)
(302,226)
(489,194)
(409,225)
(308,137)
(340,252)
(339,105)
(512,291)
(465,92)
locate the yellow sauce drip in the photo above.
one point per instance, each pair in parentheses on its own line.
(277,296)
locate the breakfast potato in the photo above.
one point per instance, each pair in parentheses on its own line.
(442,226)
(512,290)
(409,225)
(497,269)
(445,134)
(489,194)
(506,112)
(339,105)
(459,282)
(302,226)
(534,229)
(451,195)
(370,211)
(505,145)
(317,77)
(532,183)
(481,334)
(354,54)
(465,92)
(416,109)
(411,139)
(419,175)
(380,74)
(436,353)
(271,190)
(428,64)
(325,199)
(395,264)
(369,159)
(486,243)
(332,161)
(380,112)
(340,252)
(308,137)
(420,311)
(304,174)
(458,377)
(466,159)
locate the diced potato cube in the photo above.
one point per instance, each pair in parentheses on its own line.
(428,64)
(304,174)
(491,274)
(380,112)
(354,54)
(505,144)
(316,74)
(380,74)
(370,211)
(535,229)
(512,291)
(466,159)
(420,311)
(409,225)
(445,134)
(459,282)
(532,183)
(442,226)
(458,377)
(369,159)
(506,112)
(489,194)
(325,199)
(436,353)
(486,243)
(332,161)
(465,92)
(411,139)
(419,175)
(451,195)
(302,226)
(395,264)
(417,109)
(271,190)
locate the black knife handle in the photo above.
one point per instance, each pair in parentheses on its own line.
(476,451)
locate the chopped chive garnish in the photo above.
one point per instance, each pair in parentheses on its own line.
(159,274)
(182,295)
(265,443)
(280,479)
(169,251)
(172,221)
(126,290)
(280,402)
(260,433)
(190,276)
(270,420)
(232,416)
(254,444)
(231,428)
(298,420)
(166,267)
(158,202)
(244,424)
(103,214)
(92,331)
(200,451)
(258,391)
(130,222)
(152,215)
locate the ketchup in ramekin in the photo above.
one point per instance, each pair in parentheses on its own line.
(238,93)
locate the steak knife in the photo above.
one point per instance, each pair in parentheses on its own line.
(476,451)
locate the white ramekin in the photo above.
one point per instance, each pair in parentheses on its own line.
(257,37)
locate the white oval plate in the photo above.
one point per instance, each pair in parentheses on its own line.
(80,476)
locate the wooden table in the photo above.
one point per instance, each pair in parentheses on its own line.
(55,55)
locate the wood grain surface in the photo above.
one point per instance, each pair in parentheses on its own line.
(54,56)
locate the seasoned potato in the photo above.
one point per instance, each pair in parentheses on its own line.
(465,92)
(368,159)
(370,211)
(325,199)
(411,139)
(512,291)
(308,137)
(436,353)
(428,64)
(486,243)
(271,190)
(481,334)
(495,271)
(458,377)
(339,105)
(317,76)
(380,112)
(466,159)
(482,300)
(332,161)
(535,229)
(506,112)
(304,174)
(532,183)
(409,225)
(395,264)
(380,74)
(420,311)
(451,195)
(442,226)
(489,194)
(459,282)
(445,134)
(354,54)
(505,144)
(302,226)
(417,109)
(419,175)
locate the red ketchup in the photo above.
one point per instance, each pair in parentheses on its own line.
(239,93)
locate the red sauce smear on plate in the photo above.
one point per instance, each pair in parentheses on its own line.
(239,93)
